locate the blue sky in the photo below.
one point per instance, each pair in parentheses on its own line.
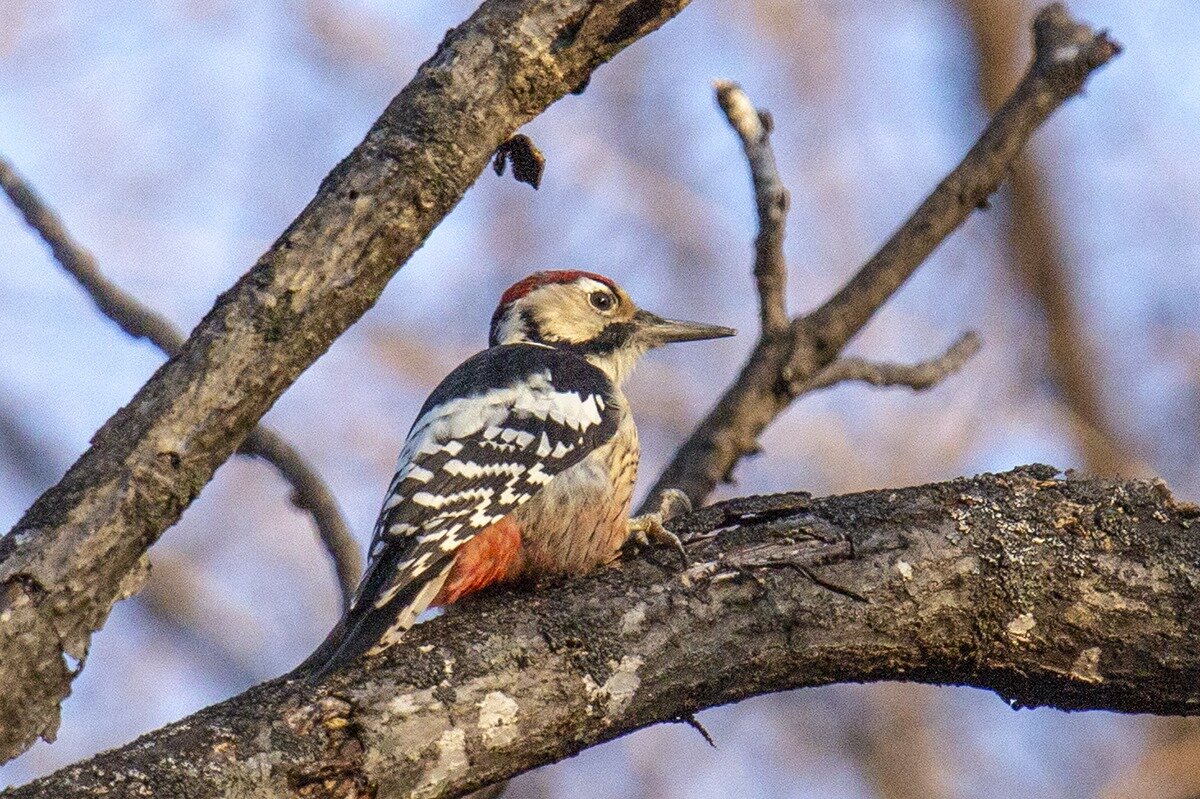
(178,139)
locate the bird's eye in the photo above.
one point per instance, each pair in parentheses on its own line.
(602,300)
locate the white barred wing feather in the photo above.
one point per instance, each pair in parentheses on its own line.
(497,429)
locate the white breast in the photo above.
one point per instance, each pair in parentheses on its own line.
(580,518)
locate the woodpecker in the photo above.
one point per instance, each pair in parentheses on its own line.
(521,463)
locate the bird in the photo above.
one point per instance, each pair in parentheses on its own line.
(520,464)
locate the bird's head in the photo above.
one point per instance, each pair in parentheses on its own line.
(588,314)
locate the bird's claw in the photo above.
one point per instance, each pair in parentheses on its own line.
(649,527)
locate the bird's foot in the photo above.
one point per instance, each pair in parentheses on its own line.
(649,527)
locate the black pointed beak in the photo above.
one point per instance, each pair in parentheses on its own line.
(656,331)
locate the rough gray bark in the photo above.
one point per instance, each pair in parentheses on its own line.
(81,547)
(1074,594)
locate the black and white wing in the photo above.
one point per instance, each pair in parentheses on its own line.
(495,431)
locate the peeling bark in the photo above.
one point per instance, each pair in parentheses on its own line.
(1072,594)
(78,549)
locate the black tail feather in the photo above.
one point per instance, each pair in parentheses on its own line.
(364,625)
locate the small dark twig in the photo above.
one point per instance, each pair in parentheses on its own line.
(310,493)
(840,590)
(693,722)
(772,199)
(528,163)
(918,377)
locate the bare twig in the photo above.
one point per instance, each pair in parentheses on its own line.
(918,377)
(1066,52)
(753,127)
(309,492)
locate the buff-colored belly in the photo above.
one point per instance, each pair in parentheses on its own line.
(580,519)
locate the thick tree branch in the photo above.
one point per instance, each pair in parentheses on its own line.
(1066,52)
(78,549)
(1075,594)
(309,492)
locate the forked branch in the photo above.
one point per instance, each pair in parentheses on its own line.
(1066,52)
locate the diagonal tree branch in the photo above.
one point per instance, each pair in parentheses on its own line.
(1076,594)
(133,318)
(1066,52)
(81,546)
(309,492)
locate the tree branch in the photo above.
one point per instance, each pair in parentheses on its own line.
(81,546)
(753,127)
(1074,594)
(133,318)
(1066,52)
(918,377)
(309,492)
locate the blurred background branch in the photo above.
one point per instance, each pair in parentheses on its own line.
(788,356)
(309,492)
(1038,257)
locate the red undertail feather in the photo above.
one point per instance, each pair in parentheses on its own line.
(492,556)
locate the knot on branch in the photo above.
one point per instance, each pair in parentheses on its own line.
(1067,51)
